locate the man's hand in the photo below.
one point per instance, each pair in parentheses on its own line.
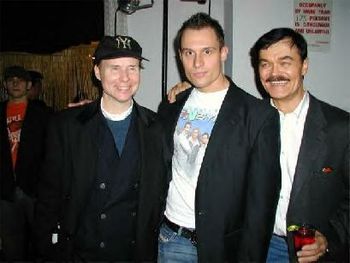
(80,103)
(178,88)
(312,252)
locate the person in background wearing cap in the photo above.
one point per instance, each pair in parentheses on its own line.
(22,133)
(100,195)
(36,88)
(35,91)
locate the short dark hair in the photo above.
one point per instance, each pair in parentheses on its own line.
(272,37)
(199,21)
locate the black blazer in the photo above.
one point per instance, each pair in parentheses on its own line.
(320,191)
(239,180)
(70,169)
(30,152)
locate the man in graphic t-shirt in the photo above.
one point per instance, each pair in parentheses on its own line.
(22,132)
(221,200)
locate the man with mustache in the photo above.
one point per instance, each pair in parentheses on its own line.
(314,152)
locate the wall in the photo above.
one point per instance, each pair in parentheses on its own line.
(146,25)
(247,19)
(326,78)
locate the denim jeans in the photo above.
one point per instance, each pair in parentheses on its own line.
(174,248)
(278,250)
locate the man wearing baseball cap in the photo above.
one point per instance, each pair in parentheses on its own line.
(100,193)
(22,133)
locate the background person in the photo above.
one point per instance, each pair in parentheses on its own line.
(22,134)
(35,90)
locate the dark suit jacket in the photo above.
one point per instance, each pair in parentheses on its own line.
(30,152)
(70,170)
(239,180)
(320,192)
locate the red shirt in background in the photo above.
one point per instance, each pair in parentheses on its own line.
(15,116)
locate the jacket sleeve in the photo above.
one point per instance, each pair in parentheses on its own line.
(339,236)
(263,191)
(48,208)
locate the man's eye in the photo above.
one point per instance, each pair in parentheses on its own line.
(285,63)
(133,69)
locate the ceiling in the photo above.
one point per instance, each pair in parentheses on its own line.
(48,26)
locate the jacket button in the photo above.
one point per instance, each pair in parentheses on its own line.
(103,216)
(102,186)
(102,245)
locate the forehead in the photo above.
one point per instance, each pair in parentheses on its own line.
(15,78)
(280,49)
(123,61)
(199,37)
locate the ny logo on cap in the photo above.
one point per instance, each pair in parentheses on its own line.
(123,42)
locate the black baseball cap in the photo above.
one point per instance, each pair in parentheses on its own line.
(116,47)
(35,75)
(16,71)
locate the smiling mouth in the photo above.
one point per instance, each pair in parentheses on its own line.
(123,88)
(277,81)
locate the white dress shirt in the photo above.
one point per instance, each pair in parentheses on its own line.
(292,128)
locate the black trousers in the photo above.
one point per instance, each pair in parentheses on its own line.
(16,224)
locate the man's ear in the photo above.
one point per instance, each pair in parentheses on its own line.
(97,72)
(305,67)
(180,55)
(29,85)
(224,53)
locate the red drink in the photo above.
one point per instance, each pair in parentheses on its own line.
(303,236)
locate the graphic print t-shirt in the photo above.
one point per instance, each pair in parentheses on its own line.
(15,117)
(191,137)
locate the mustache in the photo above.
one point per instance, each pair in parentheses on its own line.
(277,78)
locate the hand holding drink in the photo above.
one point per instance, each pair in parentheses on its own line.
(304,235)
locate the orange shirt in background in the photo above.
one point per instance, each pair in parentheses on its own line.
(15,117)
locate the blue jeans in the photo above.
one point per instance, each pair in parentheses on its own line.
(278,250)
(175,248)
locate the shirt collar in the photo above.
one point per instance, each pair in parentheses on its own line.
(116,117)
(300,109)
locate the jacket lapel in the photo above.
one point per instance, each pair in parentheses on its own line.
(227,118)
(86,142)
(171,115)
(311,146)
